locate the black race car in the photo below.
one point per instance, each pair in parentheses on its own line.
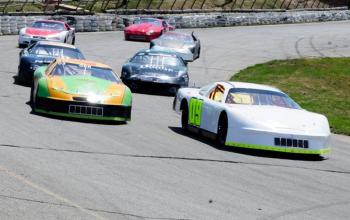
(42,53)
(158,71)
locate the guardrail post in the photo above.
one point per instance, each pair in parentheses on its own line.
(24,4)
(5,7)
(234,3)
(274,4)
(203,4)
(319,2)
(138,3)
(172,6)
(160,4)
(251,7)
(263,4)
(281,6)
(194,2)
(241,5)
(290,2)
(312,5)
(183,5)
(149,4)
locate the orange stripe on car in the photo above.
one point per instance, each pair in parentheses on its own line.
(115,92)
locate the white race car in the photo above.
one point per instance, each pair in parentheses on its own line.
(252,116)
(50,30)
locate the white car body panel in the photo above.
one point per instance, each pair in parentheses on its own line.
(258,126)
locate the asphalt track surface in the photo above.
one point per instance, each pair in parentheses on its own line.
(51,168)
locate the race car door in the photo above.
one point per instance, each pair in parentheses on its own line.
(211,108)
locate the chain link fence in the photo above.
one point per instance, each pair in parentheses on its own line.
(91,6)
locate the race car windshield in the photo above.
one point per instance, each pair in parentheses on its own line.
(177,37)
(53,51)
(157,60)
(148,20)
(72,69)
(49,25)
(259,97)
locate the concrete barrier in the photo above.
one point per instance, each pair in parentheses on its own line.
(111,22)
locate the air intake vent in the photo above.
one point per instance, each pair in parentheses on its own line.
(80,99)
(288,142)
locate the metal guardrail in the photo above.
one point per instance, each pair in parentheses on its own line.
(88,6)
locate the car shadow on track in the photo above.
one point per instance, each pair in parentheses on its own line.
(246,151)
(87,121)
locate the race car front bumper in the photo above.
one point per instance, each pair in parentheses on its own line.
(82,109)
(27,40)
(278,141)
(155,84)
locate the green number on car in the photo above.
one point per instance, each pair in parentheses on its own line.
(195,112)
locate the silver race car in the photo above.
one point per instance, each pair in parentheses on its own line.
(50,30)
(186,46)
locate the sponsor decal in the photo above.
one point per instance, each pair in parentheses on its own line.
(195,113)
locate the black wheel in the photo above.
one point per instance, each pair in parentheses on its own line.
(222,130)
(73,40)
(184,117)
(32,98)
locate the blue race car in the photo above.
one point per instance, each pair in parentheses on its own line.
(42,53)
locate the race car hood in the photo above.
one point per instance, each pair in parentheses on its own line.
(143,27)
(103,91)
(40,31)
(280,119)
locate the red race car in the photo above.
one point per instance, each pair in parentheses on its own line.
(146,29)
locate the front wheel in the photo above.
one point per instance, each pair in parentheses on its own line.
(184,118)
(32,97)
(222,130)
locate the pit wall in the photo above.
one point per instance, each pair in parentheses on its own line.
(10,25)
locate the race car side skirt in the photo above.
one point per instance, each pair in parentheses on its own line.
(279,149)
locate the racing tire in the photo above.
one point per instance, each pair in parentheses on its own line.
(184,118)
(32,98)
(22,45)
(222,130)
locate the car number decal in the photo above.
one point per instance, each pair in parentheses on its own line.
(195,112)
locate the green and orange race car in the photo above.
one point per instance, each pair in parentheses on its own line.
(80,89)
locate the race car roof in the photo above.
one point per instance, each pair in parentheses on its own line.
(52,21)
(82,62)
(57,44)
(252,86)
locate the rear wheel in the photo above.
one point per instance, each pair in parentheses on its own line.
(184,117)
(222,130)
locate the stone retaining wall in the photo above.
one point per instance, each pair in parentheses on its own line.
(112,22)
